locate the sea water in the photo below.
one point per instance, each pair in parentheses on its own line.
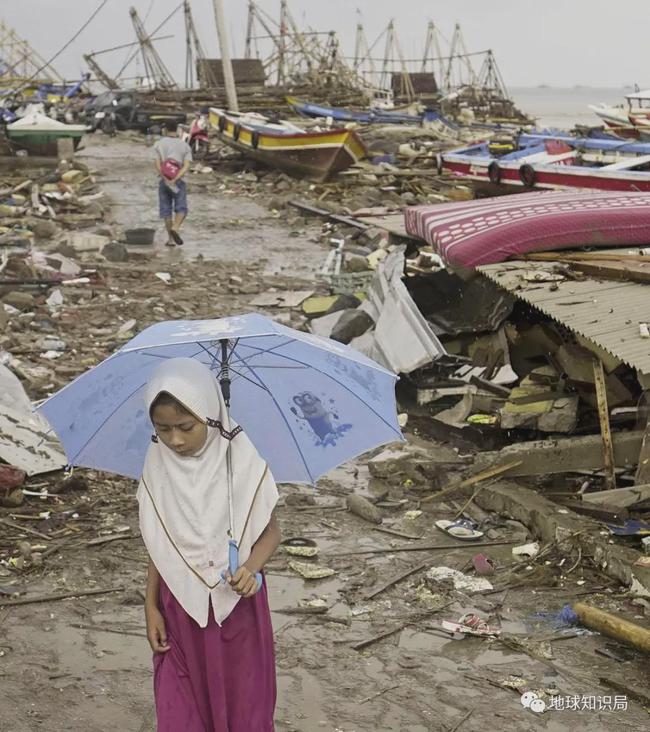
(564,107)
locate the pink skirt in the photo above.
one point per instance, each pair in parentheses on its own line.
(216,679)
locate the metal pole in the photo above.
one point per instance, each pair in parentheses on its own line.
(228,76)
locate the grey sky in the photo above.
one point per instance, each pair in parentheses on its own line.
(557,42)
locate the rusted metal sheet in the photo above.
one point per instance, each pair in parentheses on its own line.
(607,313)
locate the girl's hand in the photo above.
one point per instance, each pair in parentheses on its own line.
(244,583)
(156,631)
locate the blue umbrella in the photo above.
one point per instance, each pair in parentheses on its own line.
(307,403)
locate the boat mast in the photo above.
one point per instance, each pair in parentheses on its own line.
(282,45)
(228,76)
(388,51)
(189,59)
(153,64)
(250,25)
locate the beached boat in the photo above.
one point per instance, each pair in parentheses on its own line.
(630,119)
(366,116)
(554,161)
(314,154)
(39,134)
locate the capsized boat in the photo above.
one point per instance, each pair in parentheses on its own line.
(39,134)
(366,116)
(554,161)
(312,154)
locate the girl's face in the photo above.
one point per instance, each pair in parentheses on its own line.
(179,430)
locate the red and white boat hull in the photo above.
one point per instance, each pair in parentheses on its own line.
(550,175)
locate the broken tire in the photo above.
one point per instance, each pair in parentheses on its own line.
(527,175)
(494,173)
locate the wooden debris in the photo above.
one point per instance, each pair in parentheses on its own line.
(605,431)
(643,470)
(493,472)
(59,596)
(420,548)
(613,626)
(394,580)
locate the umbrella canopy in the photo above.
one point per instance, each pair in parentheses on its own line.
(307,403)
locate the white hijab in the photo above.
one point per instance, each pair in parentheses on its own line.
(184,516)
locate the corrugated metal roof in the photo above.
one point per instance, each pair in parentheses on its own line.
(606,312)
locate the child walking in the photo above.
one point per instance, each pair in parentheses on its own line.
(214,665)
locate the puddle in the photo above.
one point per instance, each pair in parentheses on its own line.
(289,591)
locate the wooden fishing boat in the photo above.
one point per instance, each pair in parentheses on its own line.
(314,155)
(631,119)
(39,134)
(555,162)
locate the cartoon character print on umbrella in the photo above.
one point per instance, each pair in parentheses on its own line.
(323,421)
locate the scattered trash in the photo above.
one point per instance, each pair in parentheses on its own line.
(460,581)
(470,624)
(300,546)
(483,565)
(412,515)
(526,550)
(460,529)
(311,571)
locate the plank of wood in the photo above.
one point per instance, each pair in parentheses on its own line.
(59,596)
(585,256)
(394,580)
(632,272)
(462,544)
(360,645)
(643,470)
(107,539)
(605,431)
(492,472)
(24,529)
(347,220)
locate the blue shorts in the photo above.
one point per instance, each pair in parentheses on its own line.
(170,202)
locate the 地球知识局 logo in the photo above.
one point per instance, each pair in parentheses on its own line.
(531,701)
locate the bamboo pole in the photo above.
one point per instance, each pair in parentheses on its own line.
(613,626)
(228,76)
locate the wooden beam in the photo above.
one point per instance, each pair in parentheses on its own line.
(613,626)
(492,472)
(643,471)
(605,431)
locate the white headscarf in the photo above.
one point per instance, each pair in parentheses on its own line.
(184,516)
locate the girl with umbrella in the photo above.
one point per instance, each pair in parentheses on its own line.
(209,627)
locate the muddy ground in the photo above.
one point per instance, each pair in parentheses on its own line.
(84,665)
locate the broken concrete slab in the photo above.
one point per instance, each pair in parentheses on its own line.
(618,497)
(26,439)
(551,456)
(550,522)
(535,405)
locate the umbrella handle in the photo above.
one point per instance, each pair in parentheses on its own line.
(233,563)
